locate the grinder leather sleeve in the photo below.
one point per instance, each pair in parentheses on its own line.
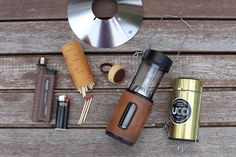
(136,125)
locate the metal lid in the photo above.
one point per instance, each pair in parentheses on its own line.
(160,59)
(188,84)
(105,33)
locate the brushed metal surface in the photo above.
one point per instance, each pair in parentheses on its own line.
(105,33)
(189,90)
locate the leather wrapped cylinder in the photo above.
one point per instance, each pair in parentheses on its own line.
(78,66)
(129,132)
(135,104)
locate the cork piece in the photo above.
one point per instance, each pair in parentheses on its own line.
(78,67)
(116,73)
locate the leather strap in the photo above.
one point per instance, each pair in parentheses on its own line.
(137,123)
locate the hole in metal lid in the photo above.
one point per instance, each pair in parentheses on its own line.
(104,9)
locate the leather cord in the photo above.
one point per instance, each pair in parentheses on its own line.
(102,66)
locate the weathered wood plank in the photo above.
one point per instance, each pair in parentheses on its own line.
(32,9)
(218,108)
(215,70)
(191,8)
(54,9)
(94,142)
(44,37)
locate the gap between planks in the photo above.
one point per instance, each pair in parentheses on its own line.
(72,90)
(103,126)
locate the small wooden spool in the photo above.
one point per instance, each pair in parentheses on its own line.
(116,73)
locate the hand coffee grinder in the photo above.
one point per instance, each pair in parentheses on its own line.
(136,102)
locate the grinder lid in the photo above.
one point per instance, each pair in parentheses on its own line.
(160,59)
(188,84)
(105,32)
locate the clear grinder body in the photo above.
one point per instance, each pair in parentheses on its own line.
(185,109)
(135,103)
(147,79)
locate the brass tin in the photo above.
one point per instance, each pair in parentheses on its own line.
(185,109)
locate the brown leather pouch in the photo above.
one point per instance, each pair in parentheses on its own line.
(129,118)
(44,91)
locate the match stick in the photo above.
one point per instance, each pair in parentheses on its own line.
(83,111)
(87,109)
(83,91)
(85,88)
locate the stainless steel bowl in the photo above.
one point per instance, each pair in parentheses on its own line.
(105,33)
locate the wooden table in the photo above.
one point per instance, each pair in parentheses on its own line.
(33,28)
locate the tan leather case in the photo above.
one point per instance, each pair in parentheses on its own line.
(137,123)
(77,64)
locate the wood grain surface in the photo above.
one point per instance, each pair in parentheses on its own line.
(16,108)
(167,35)
(56,9)
(214,70)
(91,142)
(33,28)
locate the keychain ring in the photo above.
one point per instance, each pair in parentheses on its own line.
(105,65)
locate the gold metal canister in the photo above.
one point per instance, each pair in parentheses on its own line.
(185,109)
